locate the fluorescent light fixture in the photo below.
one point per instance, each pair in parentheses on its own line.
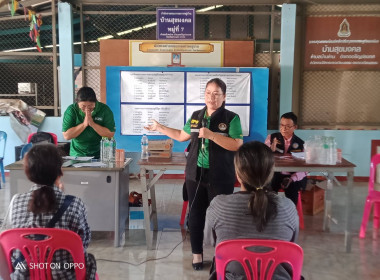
(41,3)
(209,8)
(93,41)
(129,31)
(280,6)
(105,37)
(50,46)
(150,25)
(23,49)
(46,47)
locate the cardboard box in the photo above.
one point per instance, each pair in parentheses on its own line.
(313,199)
(160,154)
(136,218)
(160,148)
(160,145)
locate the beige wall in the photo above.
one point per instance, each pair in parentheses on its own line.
(116,53)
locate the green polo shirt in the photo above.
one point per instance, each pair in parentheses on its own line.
(88,142)
(234,132)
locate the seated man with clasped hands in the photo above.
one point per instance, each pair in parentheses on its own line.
(285,142)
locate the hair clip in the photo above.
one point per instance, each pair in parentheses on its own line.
(259,188)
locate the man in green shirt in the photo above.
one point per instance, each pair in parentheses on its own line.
(86,122)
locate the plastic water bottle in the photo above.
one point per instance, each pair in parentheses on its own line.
(324,159)
(101,149)
(112,149)
(333,151)
(144,147)
(106,144)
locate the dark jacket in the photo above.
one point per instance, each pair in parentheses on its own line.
(296,144)
(221,161)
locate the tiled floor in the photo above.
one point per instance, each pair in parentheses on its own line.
(324,253)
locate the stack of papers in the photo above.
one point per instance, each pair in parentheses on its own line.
(78,158)
(300,155)
(90,164)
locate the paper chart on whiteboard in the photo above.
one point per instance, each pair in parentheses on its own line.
(168,97)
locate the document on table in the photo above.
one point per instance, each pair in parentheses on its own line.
(77,158)
(90,164)
(299,155)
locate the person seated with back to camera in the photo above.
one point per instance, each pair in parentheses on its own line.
(253,212)
(36,208)
(286,142)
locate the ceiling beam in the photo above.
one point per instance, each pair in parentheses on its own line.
(221,2)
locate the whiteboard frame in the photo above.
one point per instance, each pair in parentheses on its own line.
(258,106)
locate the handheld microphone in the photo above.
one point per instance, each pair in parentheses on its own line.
(280,147)
(204,124)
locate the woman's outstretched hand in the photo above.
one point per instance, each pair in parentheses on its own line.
(152,127)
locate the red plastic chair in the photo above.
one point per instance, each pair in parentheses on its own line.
(299,209)
(186,203)
(40,251)
(373,198)
(55,139)
(184,210)
(262,264)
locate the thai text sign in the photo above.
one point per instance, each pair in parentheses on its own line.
(167,47)
(342,42)
(175,24)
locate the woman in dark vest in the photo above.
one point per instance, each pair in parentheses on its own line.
(215,135)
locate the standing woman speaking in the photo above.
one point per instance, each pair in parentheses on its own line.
(215,134)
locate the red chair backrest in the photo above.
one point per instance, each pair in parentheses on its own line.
(375,160)
(43,136)
(40,251)
(262,264)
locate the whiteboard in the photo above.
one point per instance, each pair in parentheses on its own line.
(171,97)
(238,86)
(140,86)
(132,143)
(242,111)
(135,117)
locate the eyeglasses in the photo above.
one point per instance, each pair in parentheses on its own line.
(286,126)
(86,106)
(214,94)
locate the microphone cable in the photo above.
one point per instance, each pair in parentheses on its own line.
(183,240)
(204,124)
(187,226)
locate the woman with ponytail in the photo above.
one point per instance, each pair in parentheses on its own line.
(253,212)
(45,200)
